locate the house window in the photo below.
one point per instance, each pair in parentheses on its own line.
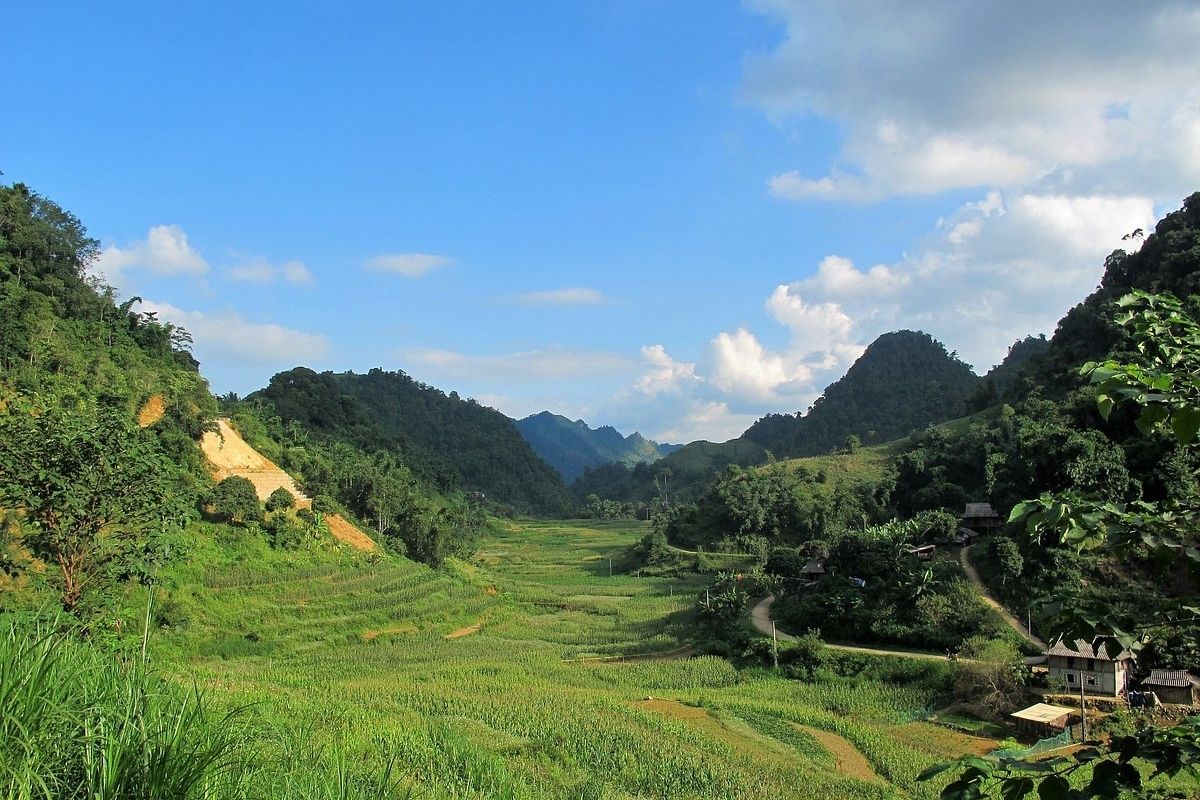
(1070,677)
(1091,663)
(1091,680)
(1070,662)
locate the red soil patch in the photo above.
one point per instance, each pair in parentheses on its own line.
(465,631)
(390,630)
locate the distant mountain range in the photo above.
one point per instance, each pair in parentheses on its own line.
(571,447)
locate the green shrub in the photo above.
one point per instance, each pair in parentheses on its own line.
(280,500)
(235,500)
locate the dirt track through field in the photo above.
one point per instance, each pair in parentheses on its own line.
(846,757)
(760,616)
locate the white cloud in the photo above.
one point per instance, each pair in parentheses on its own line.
(663,373)
(741,366)
(410,265)
(551,363)
(260,270)
(226,335)
(164,251)
(992,273)
(576,295)
(1100,97)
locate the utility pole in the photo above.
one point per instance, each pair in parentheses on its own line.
(774,645)
(610,566)
(1082,710)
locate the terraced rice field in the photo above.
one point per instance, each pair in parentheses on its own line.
(495,678)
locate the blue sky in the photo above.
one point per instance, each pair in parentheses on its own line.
(665,216)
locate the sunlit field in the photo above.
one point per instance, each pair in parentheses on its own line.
(504,677)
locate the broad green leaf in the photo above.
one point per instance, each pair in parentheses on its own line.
(1016,788)
(936,769)
(1150,418)
(1185,422)
(1054,788)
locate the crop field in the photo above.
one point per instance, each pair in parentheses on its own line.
(501,677)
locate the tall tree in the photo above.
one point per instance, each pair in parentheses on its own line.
(93,491)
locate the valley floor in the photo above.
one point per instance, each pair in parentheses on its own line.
(495,679)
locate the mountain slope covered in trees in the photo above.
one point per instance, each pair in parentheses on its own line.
(450,441)
(571,446)
(904,381)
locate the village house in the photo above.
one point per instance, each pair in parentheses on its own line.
(980,518)
(1099,673)
(1173,685)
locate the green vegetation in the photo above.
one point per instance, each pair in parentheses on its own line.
(446,441)
(904,381)
(527,672)
(571,447)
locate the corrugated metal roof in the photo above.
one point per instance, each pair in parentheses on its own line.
(980,510)
(1084,649)
(1171,677)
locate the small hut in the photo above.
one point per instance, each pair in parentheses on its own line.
(980,518)
(923,552)
(1042,720)
(1173,685)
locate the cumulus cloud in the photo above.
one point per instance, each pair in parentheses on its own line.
(576,295)
(992,272)
(410,265)
(260,270)
(1100,97)
(164,251)
(228,336)
(663,374)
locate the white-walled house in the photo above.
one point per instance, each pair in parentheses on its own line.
(1100,673)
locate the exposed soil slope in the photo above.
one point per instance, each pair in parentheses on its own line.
(230,454)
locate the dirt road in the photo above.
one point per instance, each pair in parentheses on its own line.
(964,558)
(760,616)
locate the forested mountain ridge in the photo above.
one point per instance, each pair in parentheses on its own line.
(1167,261)
(904,381)
(450,441)
(572,446)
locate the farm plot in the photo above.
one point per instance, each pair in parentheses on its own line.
(360,654)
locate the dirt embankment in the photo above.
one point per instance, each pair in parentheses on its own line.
(230,454)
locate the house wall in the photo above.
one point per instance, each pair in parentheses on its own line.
(1107,678)
(1173,694)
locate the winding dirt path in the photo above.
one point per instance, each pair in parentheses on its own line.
(760,616)
(964,558)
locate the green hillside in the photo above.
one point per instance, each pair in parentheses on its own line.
(902,382)
(681,476)
(451,442)
(571,446)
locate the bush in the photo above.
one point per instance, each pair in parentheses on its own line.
(280,500)
(235,500)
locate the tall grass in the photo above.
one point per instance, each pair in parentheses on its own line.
(76,722)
